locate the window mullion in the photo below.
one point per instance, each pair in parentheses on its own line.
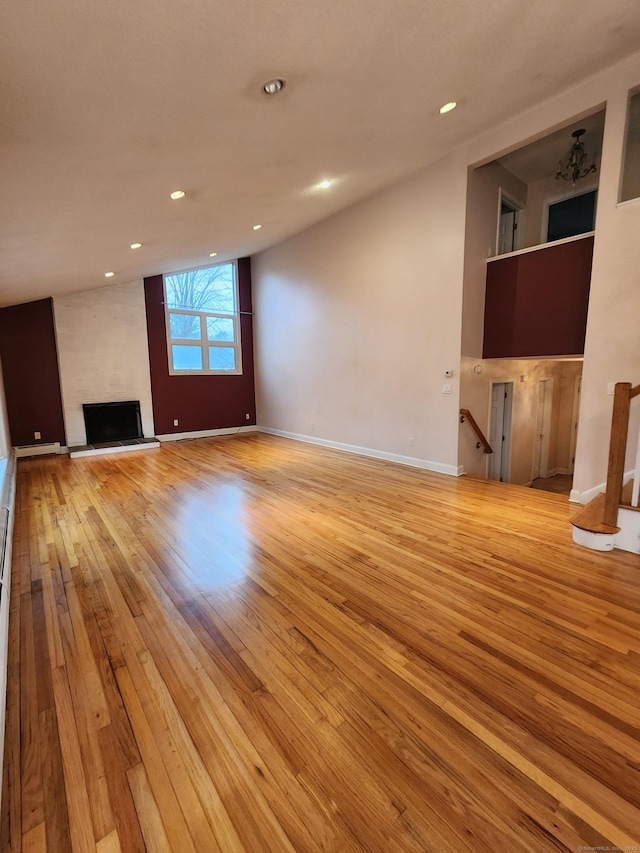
(203,342)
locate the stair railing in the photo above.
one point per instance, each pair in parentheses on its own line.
(623,394)
(465,415)
(635,493)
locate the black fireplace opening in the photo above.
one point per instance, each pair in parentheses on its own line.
(106,422)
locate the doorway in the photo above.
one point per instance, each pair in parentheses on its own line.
(542,441)
(500,415)
(577,390)
(509,225)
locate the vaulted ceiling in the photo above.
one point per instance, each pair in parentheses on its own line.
(107,107)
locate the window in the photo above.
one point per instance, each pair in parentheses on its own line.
(630,185)
(203,321)
(571,216)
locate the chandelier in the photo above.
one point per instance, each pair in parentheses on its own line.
(573,169)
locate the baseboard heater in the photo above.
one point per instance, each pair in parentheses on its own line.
(7,501)
(38,449)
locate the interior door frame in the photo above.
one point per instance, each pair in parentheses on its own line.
(507,423)
(542,454)
(519,211)
(575,417)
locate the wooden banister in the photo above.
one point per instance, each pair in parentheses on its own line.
(465,415)
(622,397)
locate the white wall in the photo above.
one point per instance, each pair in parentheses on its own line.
(357,317)
(612,347)
(103,352)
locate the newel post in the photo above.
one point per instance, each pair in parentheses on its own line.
(617,451)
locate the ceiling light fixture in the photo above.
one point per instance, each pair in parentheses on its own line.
(572,170)
(257,227)
(176,194)
(136,245)
(213,254)
(446,108)
(272,87)
(109,274)
(324,185)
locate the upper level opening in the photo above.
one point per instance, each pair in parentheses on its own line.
(548,189)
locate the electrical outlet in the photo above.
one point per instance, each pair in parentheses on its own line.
(37,436)
(611,388)
(411,441)
(247,417)
(446,388)
(175,422)
(313,424)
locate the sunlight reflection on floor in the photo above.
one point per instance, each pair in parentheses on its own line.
(215,541)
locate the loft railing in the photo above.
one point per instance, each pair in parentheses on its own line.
(465,415)
(623,395)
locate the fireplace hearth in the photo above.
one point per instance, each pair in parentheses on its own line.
(112,422)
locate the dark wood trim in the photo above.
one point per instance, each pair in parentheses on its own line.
(465,415)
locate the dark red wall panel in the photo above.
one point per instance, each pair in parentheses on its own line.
(31,378)
(536,303)
(199,402)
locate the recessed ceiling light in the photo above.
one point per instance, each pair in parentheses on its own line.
(176,194)
(213,254)
(446,108)
(109,274)
(257,227)
(324,185)
(136,245)
(272,87)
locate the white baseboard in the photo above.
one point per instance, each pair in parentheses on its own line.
(39,449)
(587,495)
(206,433)
(412,461)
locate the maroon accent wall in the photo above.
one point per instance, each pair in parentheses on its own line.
(536,303)
(199,402)
(31,378)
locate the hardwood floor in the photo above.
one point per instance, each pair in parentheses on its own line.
(251,644)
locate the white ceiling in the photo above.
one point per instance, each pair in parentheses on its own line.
(106,107)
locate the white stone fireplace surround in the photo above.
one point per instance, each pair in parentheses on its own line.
(103,353)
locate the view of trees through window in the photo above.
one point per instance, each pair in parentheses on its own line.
(202,320)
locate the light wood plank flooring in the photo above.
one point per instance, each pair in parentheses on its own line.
(251,644)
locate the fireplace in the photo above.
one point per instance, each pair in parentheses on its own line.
(112,422)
